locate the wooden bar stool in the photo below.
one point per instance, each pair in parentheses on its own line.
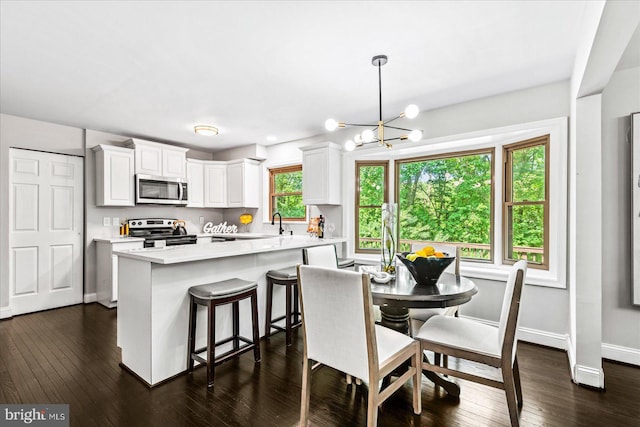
(212,295)
(286,277)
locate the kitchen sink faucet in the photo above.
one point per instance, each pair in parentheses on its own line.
(273,222)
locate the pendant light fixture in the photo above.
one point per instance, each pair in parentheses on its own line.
(377,132)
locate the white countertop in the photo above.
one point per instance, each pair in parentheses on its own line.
(239,235)
(118,239)
(187,253)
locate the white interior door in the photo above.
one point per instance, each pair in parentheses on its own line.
(45,238)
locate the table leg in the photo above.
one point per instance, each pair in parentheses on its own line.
(397,318)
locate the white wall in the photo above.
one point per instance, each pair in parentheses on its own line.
(94,214)
(18,132)
(620,320)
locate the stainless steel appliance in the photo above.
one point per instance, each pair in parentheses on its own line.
(161,190)
(159,229)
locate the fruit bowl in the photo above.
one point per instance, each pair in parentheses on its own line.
(426,271)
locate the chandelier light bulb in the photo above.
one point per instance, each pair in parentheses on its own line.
(349,145)
(411,112)
(367,135)
(358,139)
(331,124)
(415,135)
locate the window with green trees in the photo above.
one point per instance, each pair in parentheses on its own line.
(371,193)
(285,193)
(526,207)
(447,198)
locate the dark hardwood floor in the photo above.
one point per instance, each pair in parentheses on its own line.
(69,355)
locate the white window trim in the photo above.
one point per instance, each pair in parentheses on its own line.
(557,129)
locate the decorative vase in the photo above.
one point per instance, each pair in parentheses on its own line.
(388,235)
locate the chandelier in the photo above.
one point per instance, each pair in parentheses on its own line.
(376,132)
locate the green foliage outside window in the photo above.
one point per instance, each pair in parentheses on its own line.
(447,200)
(286,193)
(371,180)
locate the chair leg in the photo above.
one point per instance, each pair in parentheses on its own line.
(256,329)
(509,388)
(417,381)
(267,326)
(296,304)
(236,324)
(372,405)
(288,314)
(193,312)
(306,392)
(516,380)
(211,344)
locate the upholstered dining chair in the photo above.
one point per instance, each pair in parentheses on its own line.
(339,332)
(481,343)
(417,316)
(324,256)
(321,256)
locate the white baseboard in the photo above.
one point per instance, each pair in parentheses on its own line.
(89,298)
(621,354)
(5,312)
(586,375)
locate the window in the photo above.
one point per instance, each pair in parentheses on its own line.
(371,192)
(285,193)
(447,198)
(526,208)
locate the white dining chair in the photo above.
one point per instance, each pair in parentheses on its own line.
(482,343)
(322,256)
(417,316)
(339,332)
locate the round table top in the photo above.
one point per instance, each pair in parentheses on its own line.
(451,290)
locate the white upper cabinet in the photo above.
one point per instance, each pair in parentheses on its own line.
(321,171)
(157,159)
(215,184)
(114,176)
(243,183)
(195,178)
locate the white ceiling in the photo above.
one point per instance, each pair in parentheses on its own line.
(154,69)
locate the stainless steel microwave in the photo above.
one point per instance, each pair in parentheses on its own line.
(161,190)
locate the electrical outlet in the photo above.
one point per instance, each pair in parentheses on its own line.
(201,220)
(115,221)
(106,221)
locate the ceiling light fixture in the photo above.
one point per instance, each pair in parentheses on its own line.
(377,131)
(205,130)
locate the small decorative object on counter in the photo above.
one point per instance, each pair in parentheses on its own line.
(312,228)
(245,219)
(388,234)
(321,227)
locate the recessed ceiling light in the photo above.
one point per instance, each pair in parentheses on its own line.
(205,130)
(272,138)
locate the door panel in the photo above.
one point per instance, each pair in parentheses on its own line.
(45,217)
(25,270)
(61,266)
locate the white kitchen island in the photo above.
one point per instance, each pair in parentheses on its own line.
(153,305)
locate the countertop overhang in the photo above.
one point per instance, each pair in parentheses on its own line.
(199,252)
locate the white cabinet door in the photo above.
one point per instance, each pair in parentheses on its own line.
(215,185)
(114,176)
(321,170)
(243,183)
(174,162)
(195,178)
(149,160)
(45,221)
(157,159)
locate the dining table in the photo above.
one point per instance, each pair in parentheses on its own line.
(401,293)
